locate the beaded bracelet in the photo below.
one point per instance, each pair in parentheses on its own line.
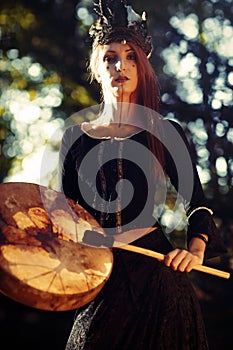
(200,236)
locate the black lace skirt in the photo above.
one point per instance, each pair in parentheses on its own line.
(143,306)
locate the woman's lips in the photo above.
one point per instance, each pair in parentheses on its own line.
(121,79)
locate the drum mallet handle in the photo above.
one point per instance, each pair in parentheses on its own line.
(96,239)
(160,257)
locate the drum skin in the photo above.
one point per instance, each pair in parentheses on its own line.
(42,262)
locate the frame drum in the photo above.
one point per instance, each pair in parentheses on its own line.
(42,262)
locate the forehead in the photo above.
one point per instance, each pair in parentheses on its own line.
(116,47)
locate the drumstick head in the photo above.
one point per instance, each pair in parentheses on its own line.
(96,239)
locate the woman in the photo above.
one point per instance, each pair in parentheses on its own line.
(145,304)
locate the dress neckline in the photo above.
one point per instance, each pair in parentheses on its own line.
(109,137)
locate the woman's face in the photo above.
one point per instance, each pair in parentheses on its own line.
(117,71)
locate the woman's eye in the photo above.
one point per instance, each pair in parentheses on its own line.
(110,59)
(132,56)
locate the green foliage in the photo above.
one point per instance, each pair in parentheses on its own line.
(43,63)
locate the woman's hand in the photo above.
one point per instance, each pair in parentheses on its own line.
(183,260)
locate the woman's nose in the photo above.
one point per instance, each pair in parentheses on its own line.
(120,65)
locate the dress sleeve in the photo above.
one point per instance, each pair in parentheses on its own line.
(199,215)
(67,174)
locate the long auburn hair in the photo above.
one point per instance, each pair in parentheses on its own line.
(147,95)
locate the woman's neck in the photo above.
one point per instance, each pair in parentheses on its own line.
(116,120)
(120,113)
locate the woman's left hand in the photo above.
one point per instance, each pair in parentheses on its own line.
(183,260)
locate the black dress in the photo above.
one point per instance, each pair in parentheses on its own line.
(144,305)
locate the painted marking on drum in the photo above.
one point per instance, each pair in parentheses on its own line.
(23,221)
(11,202)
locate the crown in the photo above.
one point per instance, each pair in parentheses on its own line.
(118,22)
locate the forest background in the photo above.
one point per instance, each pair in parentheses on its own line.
(43,80)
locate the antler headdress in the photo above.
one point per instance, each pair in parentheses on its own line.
(118,22)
